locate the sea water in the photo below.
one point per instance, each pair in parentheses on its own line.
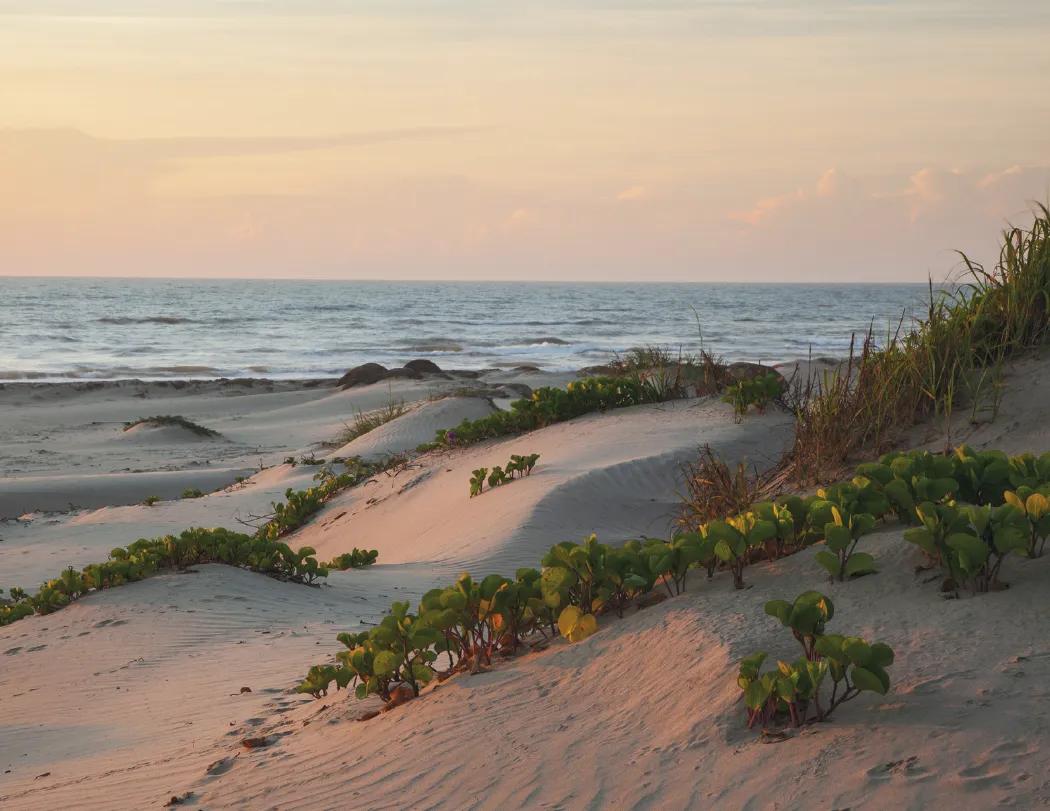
(103,329)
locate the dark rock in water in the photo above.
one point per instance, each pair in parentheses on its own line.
(363,375)
(598,371)
(515,390)
(411,374)
(468,374)
(742,370)
(423,366)
(526,368)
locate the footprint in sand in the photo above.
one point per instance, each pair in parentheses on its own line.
(908,768)
(996,767)
(12,651)
(36,648)
(982,775)
(220,766)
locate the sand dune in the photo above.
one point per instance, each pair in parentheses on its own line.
(142,698)
(146,679)
(410,430)
(555,729)
(645,713)
(615,474)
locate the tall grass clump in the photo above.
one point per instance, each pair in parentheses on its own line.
(669,373)
(366,421)
(713,489)
(953,357)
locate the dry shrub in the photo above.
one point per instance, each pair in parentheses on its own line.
(715,490)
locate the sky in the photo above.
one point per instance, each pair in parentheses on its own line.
(742,140)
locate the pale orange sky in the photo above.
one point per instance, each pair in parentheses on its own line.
(664,140)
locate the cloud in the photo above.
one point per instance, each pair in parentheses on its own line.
(927,191)
(891,227)
(520,219)
(633,193)
(73,203)
(214,147)
(830,185)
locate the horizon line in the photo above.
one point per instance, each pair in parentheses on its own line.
(454,280)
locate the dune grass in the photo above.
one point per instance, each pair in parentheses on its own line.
(953,357)
(366,421)
(670,371)
(174,420)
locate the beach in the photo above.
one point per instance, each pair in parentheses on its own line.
(151,687)
(566,406)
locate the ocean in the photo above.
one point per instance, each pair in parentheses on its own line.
(105,329)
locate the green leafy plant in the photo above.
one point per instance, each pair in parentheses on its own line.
(805,617)
(518,465)
(788,516)
(977,554)
(627,574)
(398,650)
(300,505)
(671,560)
(545,407)
(521,465)
(575,624)
(497,477)
(320,677)
(792,692)
(149,501)
(262,552)
(757,391)
(355,559)
(1035,507)
(192,492)
(146,557)
(735,537)
(478,619)
(841,536)
(477,481)
(572,574)
(970,542)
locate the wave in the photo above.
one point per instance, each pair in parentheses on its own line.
(150,319)
(62,339)
(29,375)
(435,345)
(330,307)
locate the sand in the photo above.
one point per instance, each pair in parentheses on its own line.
(133,695)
